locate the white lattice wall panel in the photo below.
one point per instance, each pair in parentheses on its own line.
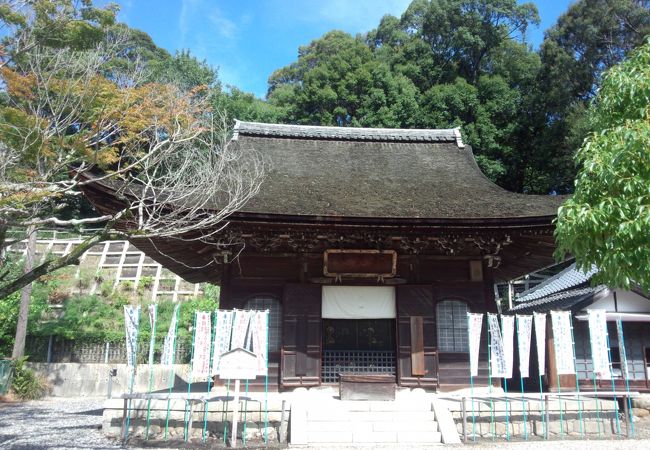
(119,261)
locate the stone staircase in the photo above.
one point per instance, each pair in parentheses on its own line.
(332,421)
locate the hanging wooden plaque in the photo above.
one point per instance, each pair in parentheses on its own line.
(360,263)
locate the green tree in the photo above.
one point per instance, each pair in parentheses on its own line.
(607,221)
(590,37)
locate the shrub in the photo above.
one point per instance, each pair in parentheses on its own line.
(26,384)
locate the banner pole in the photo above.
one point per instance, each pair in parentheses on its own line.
(492,427)
(542,404)
(152,343)
(542,409)
(505,386)
(132,381)
(611,377)
(471,383)
(266,381)
(623,352)
(224,413)
(521,382)
(172,371)
(189,386)
(206,403)
(573,346)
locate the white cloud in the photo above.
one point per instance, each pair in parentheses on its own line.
(225,27)
(354,16)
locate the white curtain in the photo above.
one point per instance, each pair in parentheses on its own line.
(358,302)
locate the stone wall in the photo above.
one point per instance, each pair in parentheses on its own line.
(218,421)
(91,380)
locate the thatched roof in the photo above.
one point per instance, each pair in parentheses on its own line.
(378,173)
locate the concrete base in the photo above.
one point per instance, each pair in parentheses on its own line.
(217,421)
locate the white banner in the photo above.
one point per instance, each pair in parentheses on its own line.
(563,342)
(598,339)
(153,315)
(240,329)
(201,352)
(621,349)
(474,327)
(260,333)
(131,323)
(222,335)
(497,356)
(524,334)
(540,340)
(508,333)
(169,346)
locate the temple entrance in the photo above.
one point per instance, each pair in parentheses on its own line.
(358,331)
(357,346)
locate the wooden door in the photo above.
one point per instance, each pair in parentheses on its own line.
(417,359)
(301,335)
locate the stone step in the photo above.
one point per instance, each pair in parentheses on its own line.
(369,416)
(373,437)
(413,425)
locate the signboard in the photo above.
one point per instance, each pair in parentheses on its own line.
(360,263)
(238,364)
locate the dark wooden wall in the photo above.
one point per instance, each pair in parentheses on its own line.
(296,280)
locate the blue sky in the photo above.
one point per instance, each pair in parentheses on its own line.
(248,39)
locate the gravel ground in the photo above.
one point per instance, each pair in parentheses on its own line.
(59,423)
(55,423)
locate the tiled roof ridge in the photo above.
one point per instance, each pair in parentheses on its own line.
(577,293)
(563,280)
(348,133)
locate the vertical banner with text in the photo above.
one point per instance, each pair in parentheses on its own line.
(153,316)
(563,342)
(497,356)
(598,338)
(202,341)
(524,334)
(540,340)
(131,323)
(508,333)
(474,327)
(169,346)
(222,335)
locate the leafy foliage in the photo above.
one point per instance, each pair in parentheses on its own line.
(9,310)
(25,383)
(450,63)
(607,220)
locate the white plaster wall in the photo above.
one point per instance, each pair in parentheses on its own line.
(627,301)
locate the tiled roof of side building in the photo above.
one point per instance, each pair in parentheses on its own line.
(379,173)
(560,300)
(566,279)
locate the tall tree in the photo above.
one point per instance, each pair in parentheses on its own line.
(590,37)
(607,220)
(71,116)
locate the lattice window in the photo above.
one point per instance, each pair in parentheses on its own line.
(356,362)
(451,318)
(274,306)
